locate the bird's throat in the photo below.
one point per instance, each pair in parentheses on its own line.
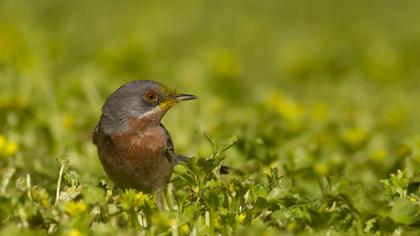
(149,119)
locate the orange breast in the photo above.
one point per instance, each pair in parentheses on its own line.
(137,159)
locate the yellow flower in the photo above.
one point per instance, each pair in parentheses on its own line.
(2,142)
(321,168)
(217,223)
(379,154)
(284,106)
(354,136)
(10,148)
(171,222)
(75,232)
(7,148)
(240,218)
(184,229)
(141,198)
(75,208)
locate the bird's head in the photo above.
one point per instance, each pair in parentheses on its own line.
(137,100)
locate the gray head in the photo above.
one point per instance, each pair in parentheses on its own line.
(134,100)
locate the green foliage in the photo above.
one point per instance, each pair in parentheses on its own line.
(320,99)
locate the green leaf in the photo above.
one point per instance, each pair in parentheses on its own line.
(405,212)
(277,194)
(94,195)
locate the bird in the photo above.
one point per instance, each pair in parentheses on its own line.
(135,149)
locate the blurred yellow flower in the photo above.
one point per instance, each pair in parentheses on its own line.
(74,208)
(141,198)
(172,222)
(184,229)
(10,149)
(75,232)
(240,218)
(379,154)
(41,196)
(2,141)
(284,106)
(7,148)
(354,136)
(217,223)
(321,168)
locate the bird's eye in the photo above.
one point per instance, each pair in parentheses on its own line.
(151,96)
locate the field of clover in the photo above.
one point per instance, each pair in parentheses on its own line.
(314,106)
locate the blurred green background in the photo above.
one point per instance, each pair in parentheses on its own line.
(329,86)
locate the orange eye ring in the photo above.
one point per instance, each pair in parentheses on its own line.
(151,96)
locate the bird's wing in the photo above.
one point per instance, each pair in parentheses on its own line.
(170,150)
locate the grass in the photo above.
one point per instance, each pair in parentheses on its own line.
(313,105)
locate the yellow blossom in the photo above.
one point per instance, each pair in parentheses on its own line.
(75,208)
(354,136)
(7,148)
(2,142)
(10,148)
(184,229)
(412,199)
(321,168)
(171,222)
(141,198)
(217,223)
(284,106)
(75,232)
(240,218)
(379,154)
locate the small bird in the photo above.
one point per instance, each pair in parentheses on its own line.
(135,149)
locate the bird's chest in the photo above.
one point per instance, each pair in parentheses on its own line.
(146,143)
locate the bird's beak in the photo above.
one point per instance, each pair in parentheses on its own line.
(184,97)
(174,99)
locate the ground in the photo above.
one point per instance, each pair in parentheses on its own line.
(313,105)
